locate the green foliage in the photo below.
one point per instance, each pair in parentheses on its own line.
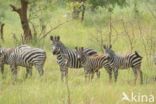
(72,5)
(106,3)
(3,8)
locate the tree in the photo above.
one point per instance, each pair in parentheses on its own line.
(22,12)
(78,6)
(3,7)
(1,31)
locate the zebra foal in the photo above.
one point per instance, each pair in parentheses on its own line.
(24,56)
(132,60)
(91,64)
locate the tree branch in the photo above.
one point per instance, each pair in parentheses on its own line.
(54,29)
(15,9)
(1,31)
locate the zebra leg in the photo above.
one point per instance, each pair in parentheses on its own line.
(92,75)
(40,69)
(135,74)
(115,74)
(14,71)
(2,71)
(28,72)
(87,75)
(64,72)
(141,77)
(109,71)
(98,74)
(139,73)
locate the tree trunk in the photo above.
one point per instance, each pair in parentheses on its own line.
(23,18)
(83,11)
(1,31)
(75,13)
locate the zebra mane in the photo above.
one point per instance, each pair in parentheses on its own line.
(112,53)
(62,46)
(138,54)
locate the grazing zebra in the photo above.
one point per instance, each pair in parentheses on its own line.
(24,56)
(132,60)
(66,58)
(91,64)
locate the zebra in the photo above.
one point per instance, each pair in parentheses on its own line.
(66,58)
(132,60)
(24,56)
(91,64)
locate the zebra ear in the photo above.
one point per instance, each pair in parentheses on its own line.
(82,48)
(51,38)
(58,38)
(76,48)
(110,46)
(104,46)
(1,52)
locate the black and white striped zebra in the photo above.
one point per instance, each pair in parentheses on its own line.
(91,64)
(132,60)
(66,58)
(24,56)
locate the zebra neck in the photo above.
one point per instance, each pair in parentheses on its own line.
(84,60)
(63,50)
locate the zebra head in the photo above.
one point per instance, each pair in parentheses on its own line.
(2,57)
(109,53)
(56,44)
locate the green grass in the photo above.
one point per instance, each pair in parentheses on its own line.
(50,90)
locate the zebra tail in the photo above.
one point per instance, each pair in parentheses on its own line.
(138,54)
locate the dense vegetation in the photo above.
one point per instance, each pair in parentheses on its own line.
(128,25)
